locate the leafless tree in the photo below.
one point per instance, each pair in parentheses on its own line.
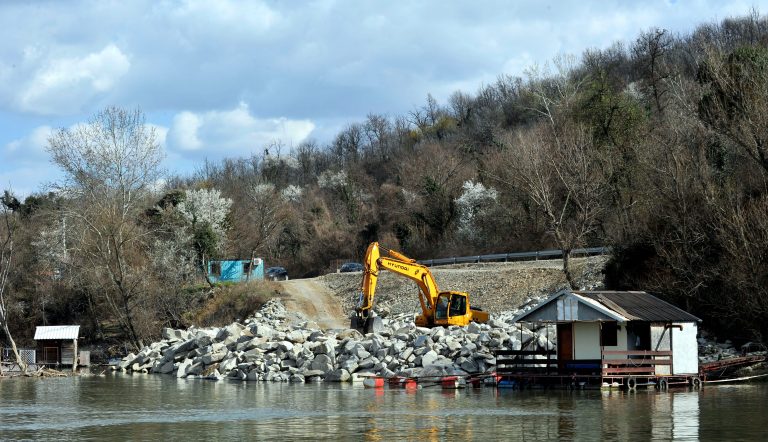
(110,166)
(7,230)
(735,102)
(565,178)
(650,51)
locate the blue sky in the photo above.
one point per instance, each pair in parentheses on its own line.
(223,78)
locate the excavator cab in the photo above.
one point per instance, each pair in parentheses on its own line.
(451,309)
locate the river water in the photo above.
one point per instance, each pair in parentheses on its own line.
(155,407)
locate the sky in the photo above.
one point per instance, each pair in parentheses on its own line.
(225,78)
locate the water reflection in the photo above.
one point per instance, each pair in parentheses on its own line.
(157,407)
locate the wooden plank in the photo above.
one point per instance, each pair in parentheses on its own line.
(524,352)
(619,370)
(637,361)
(527,362)
(637,353)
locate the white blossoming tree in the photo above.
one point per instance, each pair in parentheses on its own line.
(475,201)
(206,211)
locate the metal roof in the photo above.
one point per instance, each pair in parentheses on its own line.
(43,333)
(639,306)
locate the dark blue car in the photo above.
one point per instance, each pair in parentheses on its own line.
(351,267)
(276,274)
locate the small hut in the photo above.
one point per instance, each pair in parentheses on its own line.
(235,270)
(57,344)
(617,334)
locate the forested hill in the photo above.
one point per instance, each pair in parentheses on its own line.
(656,147)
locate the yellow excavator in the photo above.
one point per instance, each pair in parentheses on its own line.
(437,308)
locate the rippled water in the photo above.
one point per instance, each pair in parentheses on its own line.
(152,407)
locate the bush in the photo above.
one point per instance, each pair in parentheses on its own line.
(232,302)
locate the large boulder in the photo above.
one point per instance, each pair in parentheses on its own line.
(323,363)
(170,334)
(338,375)
(428,358)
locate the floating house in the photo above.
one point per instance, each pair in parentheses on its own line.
(57,344)
(622,337)
(235,270)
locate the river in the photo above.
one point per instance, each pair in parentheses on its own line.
(155,407)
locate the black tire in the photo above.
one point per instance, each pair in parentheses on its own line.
(631,384)
(663,384)
(696,382)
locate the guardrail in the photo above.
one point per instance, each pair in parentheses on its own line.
(519,256)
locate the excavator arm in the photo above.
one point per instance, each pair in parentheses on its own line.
(397,263)
(437,308)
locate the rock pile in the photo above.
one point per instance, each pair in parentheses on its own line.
(710,350)
(265,347)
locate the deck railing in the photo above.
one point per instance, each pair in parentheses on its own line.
(634,362)
(517,361)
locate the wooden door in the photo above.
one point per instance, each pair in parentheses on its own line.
(564,345)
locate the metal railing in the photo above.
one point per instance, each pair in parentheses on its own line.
(519,256)
(28,355)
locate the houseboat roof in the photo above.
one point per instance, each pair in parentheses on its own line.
(639,306)
(43,333)
(621,306)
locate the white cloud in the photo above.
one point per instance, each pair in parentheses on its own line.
(30,148)
(307,69)
(232,132)
(65,85)
(23,181)
(249,17)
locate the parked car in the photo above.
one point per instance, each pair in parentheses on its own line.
(276,274)
(351,267)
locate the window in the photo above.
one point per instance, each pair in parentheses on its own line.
(246,268)
(458,305)
(216,268)
(441,311)
(609,334)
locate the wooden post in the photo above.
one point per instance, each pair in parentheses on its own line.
(74,356)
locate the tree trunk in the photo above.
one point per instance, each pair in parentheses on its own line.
(567,269)
(19,360)
(74,356)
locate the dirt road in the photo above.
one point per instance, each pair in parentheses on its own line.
(307,299)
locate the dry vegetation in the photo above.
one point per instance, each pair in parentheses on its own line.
(657,147)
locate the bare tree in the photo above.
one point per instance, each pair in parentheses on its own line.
(650,50)
(110,167)
(7,230)
(565,178)
(735,102)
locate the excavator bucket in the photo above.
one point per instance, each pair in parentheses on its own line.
(374,324)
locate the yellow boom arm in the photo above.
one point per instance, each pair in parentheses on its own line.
(437,308)
(402,265)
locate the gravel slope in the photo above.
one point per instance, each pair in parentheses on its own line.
(495,287)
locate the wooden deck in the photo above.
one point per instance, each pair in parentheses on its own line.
(622,369)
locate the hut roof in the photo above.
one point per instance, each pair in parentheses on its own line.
(43,333)
(639,306)
(619,306)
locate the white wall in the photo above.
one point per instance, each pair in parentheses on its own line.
(586,339)
(685,349)
(660,341)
